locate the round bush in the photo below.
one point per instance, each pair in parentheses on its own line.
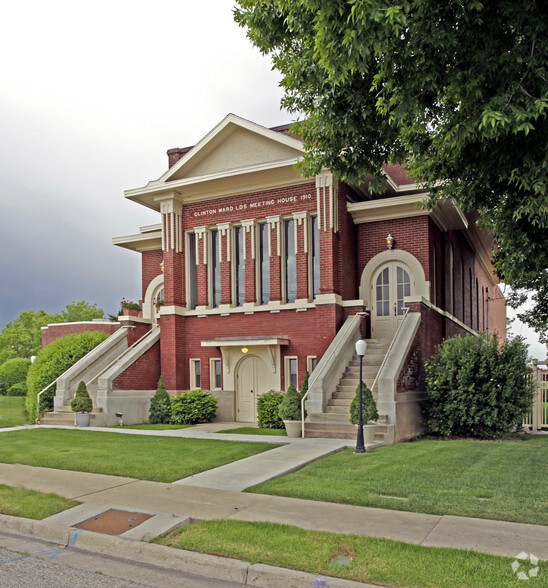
(267,410)
(290,407)
(190,408)
(476,387)
(53,361)
(12,372)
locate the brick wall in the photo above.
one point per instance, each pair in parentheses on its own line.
(150,263)
(58,330)
(143,374)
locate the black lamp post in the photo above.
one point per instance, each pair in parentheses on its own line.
(361,348)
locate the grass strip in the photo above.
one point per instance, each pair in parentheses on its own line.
(30,504)
(380,561)
(501,480)
(150,457)
(256,431)
(12,411)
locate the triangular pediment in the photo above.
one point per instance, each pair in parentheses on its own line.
(235,144)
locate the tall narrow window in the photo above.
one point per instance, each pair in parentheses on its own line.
(291,373)
(403,288)
(215,374)
(471,297)
(477,305)
(383,293)
(483,308)
(215,268)
(311,362)
(434,275)
(239,266)
(264,264)
(290,260)
(462,290)
(315,255)
(192,285)
(195,374)
(452,278)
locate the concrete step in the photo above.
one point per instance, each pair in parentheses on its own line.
(335,431)
(63,418)
(335,401)
(326,417)
(345,409)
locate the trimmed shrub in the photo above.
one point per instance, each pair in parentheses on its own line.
(190,408)
(160,405)
(19,389)
(476,387)
(12,372)
(81,401)
(290,407)
(53,361)
(369,406)
(267,410)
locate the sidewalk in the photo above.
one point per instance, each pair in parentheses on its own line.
(217,494)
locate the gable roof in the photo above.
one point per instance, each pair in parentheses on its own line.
(236,156)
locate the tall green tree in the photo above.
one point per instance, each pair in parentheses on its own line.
(456,90)
(22,337)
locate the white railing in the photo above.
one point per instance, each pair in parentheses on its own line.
(389,350)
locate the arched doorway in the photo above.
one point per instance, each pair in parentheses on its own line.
(248,388)
(387,279)
(390,285)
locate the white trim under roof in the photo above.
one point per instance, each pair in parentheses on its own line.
(245,341)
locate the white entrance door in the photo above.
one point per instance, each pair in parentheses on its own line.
(248,378)
(390,285)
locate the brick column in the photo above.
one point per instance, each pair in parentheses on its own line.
(225,251)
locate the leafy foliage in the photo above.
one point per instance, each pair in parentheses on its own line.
(477,387)
(53,361)
(369,406)
(267,410)
(458,91)
(81,401)
(190,408)
(160,405)
(22,337)
(290,407)
(13,372)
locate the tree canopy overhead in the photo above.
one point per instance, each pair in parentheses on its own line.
(456,90)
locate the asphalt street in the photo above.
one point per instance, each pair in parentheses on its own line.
(28,562)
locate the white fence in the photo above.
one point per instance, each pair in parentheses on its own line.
(538,417)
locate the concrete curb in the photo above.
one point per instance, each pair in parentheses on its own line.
(209,566)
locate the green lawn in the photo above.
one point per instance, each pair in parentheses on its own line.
(19,502)
(150,457)
(12,411)
(256,431)
(503,480)
(380,561)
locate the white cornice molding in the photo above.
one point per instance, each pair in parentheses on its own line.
(387,208)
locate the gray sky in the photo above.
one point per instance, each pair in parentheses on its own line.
(92,96)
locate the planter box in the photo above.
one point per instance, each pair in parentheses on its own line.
(82,419)
(293,428)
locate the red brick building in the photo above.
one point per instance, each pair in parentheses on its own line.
(255,275)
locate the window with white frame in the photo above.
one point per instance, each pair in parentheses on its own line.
(195,374)
(239,266)
(314,257)
(215,268)
(290,261)
(311,362)
(291,372)
(264,264)
(192,272)
(215,374)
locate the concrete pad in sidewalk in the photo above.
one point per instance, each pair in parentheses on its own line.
(244,473)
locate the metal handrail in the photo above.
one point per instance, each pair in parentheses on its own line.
(390,348)
(97,375)
(335,350)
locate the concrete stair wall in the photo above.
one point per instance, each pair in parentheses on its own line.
(334,422)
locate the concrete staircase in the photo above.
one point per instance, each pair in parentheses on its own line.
(334,423)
